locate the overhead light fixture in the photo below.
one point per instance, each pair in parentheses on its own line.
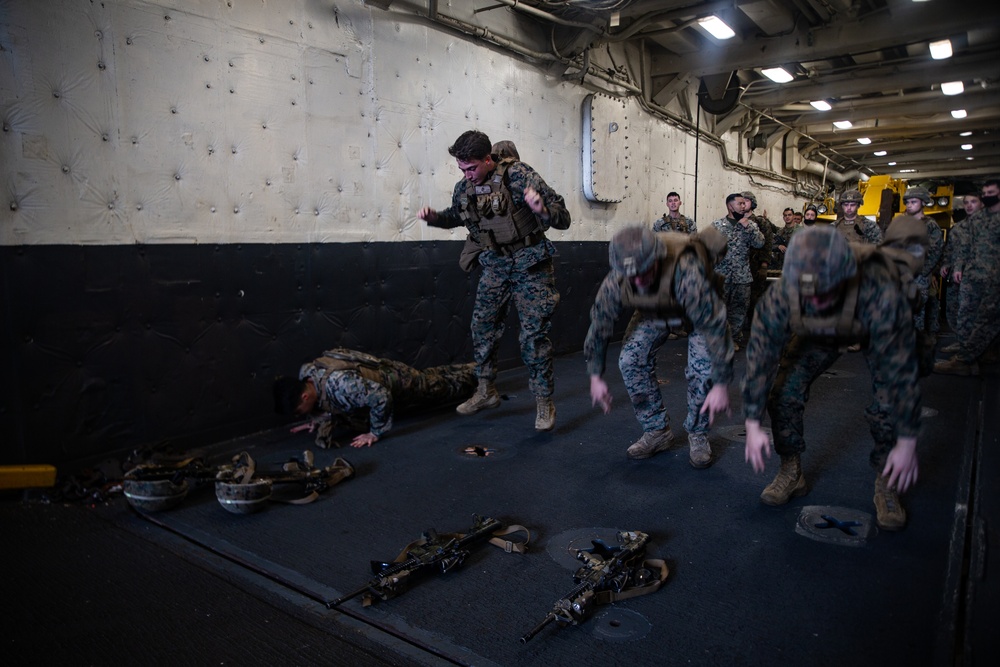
(907,171)
(892,164)
(864,141)
(966,147)
(970,158)
(821,105)
(967,133)
(843,124)
(716,27)
(880,153)
(777,74)
(953,88)
(941,49)
(958,113)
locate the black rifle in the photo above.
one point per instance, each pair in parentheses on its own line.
(432,552)
(607,571)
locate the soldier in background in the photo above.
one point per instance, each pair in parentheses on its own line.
(810,216)
(507,208)
(760,258)
(783,236)
(741,234)
(663,277)
(364,391)
(673,220)
(959,298)
(982,275)
(855,228)
(927,311)
(791,342)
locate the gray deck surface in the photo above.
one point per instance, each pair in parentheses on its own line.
(199,585)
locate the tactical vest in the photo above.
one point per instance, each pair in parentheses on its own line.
(489,212)
(663,302)
(341,359)
(844,326)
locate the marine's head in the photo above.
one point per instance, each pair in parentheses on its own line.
(915,198)
(818,263)
(472,150)
(809,217)
(850,201)
(751,200)
(294,397)
(633,252)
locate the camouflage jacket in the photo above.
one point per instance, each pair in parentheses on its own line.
(347,392)
(702,305)
(886,320)
(682,224)
(981,259)
(956,245)
(735,266)
(519,177)
(859,230)
(935,250)
(763,254)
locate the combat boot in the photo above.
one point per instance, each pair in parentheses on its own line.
(486,396)
(545,417)
(889,512)
(651,442)
(951,349)
(701,453)
(788,483)
(956,366)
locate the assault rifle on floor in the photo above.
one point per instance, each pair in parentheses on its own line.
(432,553)
(608,574)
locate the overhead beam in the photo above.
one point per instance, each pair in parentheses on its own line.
(906,22)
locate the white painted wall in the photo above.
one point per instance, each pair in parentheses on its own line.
(214,121)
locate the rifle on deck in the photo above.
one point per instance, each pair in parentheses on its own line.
(608,574)
(432,552)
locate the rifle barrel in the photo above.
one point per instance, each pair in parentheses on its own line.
(349,596)
(538,628)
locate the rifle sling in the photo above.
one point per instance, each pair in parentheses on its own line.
(654,564)
(497,540)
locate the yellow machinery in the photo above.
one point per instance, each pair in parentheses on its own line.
(883,200)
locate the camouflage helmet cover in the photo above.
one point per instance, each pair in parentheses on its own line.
(633,251)
(852,196)
(749,196)
(910,234)
(820,257)
(918,193)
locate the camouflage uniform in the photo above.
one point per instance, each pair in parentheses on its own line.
(525,274)
(783,236)
(735,266)
(859,230)
(955,250)
(981,276)
(758,258)
(886,323)
(710,349)
(926,313)
(681,223)
(377,386)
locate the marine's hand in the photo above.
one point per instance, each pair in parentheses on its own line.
(599,394)
(364,440)
(308,426)
(535,202)
(427,214)
(716,401)
(956,277)
(901,466)
(758,445)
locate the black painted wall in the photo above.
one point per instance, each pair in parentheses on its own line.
(108,348)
